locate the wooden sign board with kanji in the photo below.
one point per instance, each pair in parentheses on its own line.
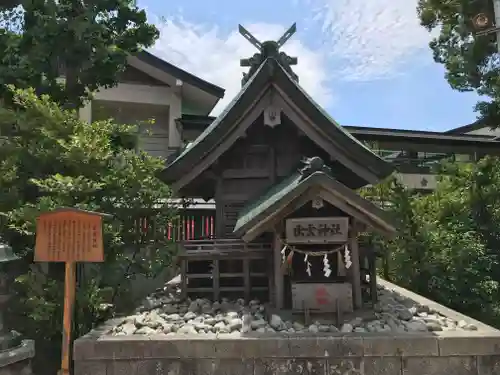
(69,235)
(317,230)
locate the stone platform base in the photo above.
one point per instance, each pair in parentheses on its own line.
(17,361)
(447,352)
(366,354)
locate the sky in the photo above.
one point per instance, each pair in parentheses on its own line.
(367,62)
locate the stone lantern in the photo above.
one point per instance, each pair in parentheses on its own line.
(15,353)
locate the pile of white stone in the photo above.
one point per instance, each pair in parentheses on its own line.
(165,314)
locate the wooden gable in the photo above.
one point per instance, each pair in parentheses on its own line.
(272,86)
(290,196)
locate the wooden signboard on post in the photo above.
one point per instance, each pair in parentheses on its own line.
(69,235)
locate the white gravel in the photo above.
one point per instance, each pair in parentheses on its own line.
(163,313)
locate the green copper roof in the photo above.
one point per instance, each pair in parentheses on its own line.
(320,109)
(287,191)
(215,124)
(271,72)
(348,143)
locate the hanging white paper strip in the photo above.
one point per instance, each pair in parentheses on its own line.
(308,265)
(347,258)
(283,254)
(326,269)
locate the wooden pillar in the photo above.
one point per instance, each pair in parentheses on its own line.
(278,276)
(184,282)
(373,276)
(270,282)
(216,279)
(355,273)
(341,271)
(246,278)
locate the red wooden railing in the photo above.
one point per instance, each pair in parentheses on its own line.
(188,226)
(192,228)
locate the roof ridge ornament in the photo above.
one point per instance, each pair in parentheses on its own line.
(314,164)
(268,49)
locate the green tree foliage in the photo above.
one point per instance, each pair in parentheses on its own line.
(86,41)
(471,61)
(50,159)
(448,241)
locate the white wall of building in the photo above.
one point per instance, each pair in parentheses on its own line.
(143,94)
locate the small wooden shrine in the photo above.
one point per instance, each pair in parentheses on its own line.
(284,177)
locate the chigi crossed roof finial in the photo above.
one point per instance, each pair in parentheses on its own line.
(268,49)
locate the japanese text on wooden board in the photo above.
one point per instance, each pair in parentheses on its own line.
(69,237)
(317,230)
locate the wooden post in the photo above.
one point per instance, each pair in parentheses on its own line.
(341,271)
(246,278)
(216,279)
(184,281)
(69,300)
(355,273)
(278,276)
(69,235)
(270,280)
(372,266)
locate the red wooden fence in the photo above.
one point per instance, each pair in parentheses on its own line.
(188,226)
(192,228)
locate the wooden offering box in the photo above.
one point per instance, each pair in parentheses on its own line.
(325,297)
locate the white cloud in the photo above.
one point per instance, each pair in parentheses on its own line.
(214,56)
(370,39)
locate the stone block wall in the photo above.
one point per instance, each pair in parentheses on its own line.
(367,354)
(17,368)
(17,361)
